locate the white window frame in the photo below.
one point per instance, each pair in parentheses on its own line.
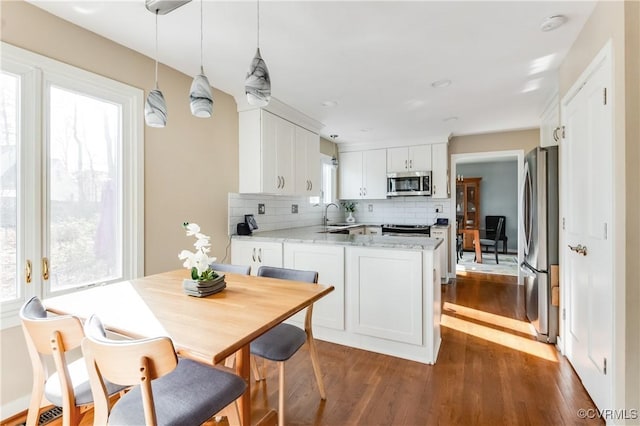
(37,72)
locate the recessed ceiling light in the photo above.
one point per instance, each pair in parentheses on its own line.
(441,83)
(450,119)
(552,22)
(366,130)
(329,104)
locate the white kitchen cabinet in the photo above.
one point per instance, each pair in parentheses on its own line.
(409,159)
(440,171)
(442,232)
(268,155)
(328,261)
(550,124)
(256,254)
(363,175)
(307,162)
(385,290)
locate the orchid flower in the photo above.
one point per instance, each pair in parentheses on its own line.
(198,262)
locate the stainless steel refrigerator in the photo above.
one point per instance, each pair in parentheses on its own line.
(540,225)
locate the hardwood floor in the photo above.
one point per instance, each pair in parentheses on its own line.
(490,371)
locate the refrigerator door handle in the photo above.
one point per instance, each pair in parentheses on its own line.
(526,265)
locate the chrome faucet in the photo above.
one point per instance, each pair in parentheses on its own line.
(325,219)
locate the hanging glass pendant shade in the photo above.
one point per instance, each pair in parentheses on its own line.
(257,85)
(200,95)
(155,108)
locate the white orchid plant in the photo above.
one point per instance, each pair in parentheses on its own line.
(199,261)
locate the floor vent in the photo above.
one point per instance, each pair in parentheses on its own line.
(49,416)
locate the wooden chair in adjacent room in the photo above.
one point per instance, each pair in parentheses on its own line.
(68,387)
(484,242)
(167,389)
(283,341)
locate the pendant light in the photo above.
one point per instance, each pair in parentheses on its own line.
(257,85)
(155,108)
(200,96)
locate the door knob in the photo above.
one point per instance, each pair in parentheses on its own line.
(580,249)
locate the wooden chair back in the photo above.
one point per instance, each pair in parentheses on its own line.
(54,336)
(125,362)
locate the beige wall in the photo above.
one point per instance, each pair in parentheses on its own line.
(501,141)
(632,154)
(609,21)
(190,165)
(328,147)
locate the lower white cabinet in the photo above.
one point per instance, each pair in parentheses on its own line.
(256,254)
(442,232)
(328,261)
(386,293)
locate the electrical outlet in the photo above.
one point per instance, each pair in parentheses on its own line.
(438,208)
(294,208)
(370,207)
(261,208)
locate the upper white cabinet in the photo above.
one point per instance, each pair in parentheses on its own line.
(307,162)
(550,124)
(440,171)
(269,154)
(409,159)
(363,175)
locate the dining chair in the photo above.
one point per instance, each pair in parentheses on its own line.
(68,387)
(234,269)
(484,242)
(167,390)
(242,270)
(281,342)
(491,225)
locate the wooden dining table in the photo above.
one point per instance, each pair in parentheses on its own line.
(208,329)
(475,235)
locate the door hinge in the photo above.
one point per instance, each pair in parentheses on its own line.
(605,96)
(564,314)
(564,134)
(563,224)
(605,230)
(605,367)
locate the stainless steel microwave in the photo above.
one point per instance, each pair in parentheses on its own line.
(408,183)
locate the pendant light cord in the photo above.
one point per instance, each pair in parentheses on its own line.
(201,55)
(156,49)
(258,20)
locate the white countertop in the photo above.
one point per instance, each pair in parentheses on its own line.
(314,235)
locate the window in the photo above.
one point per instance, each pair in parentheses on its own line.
(329,181)
(71,167)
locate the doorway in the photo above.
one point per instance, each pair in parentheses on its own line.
(473,163)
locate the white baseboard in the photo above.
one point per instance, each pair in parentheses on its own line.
(14,407)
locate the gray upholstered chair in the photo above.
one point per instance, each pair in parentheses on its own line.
(234,269)
(486,243)
(281,342)
(168,390)
(69,386)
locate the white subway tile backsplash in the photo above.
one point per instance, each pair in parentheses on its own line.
(400,210)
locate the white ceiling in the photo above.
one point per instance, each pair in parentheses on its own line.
(376,59)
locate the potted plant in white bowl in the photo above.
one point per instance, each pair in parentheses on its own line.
(350,207)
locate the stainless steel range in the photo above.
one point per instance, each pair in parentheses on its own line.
(406,230)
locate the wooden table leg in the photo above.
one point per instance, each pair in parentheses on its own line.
(243,370)
(478,247)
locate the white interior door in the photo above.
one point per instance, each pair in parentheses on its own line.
(587,199)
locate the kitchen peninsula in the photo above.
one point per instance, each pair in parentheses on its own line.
(387,288)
